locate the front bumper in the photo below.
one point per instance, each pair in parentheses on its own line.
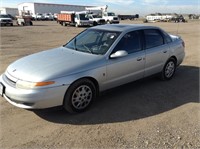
(33,98)
(6,23)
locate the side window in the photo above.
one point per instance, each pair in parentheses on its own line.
(130,42)
(167,37)
(153,38)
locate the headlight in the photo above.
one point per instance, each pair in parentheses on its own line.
(29,85)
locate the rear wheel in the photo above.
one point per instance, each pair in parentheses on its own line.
(79,96)
(169,69)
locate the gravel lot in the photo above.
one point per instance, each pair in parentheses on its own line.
(148,113)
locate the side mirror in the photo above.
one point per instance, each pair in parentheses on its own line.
(120,53)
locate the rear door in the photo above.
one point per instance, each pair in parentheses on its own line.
(157,51)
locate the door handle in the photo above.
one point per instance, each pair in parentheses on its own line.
(139,58)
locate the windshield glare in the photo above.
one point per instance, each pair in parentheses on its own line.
(93,41)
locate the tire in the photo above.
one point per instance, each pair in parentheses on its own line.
(11,24)
(79,96)
(108,22)
(169,69)
(63,24)
(31,23)
(94,23)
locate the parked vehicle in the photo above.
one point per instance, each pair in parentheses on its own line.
(99,58)
(38,16)
(96,19)
(178,19)
(48,16)
(73,18)
(128,17)
(5,20)
(109,17)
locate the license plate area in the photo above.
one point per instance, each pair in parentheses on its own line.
(2,89)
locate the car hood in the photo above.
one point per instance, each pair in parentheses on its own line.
(52,64)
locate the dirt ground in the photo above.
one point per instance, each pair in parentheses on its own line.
(145,114)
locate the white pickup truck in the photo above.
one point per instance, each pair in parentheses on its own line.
(96,19)
(110,18)
(5,20)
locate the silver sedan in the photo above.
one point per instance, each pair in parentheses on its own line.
(97,59)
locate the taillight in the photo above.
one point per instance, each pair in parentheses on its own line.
(183,43)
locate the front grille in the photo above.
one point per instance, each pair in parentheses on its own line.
(9,81)
(115,18)
(6,21)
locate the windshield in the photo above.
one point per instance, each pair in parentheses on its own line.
(93,41)
(83,17)
(96,16)
(111,14)
(4,16)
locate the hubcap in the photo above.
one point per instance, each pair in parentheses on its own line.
(169,70)
(82,97)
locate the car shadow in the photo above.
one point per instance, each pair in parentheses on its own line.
(136,100)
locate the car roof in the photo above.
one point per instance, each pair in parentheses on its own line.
(124,27)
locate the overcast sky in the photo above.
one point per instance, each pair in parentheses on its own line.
(141,7)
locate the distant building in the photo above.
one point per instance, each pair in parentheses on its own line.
(33,8)
(11,11)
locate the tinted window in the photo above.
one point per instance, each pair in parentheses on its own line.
(130,42)
(153,38)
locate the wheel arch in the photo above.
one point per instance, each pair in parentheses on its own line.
(92,79)
(173,57)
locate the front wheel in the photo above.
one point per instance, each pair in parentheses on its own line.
(169,69)
(79,96)
(76,25)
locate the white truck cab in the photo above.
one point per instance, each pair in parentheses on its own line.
(96,19)
(110,17)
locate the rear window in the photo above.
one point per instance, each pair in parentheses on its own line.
(153,38)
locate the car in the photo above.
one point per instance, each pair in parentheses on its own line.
(38,16)
(49,16)
(97,19)
(97,59)
(5,20)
